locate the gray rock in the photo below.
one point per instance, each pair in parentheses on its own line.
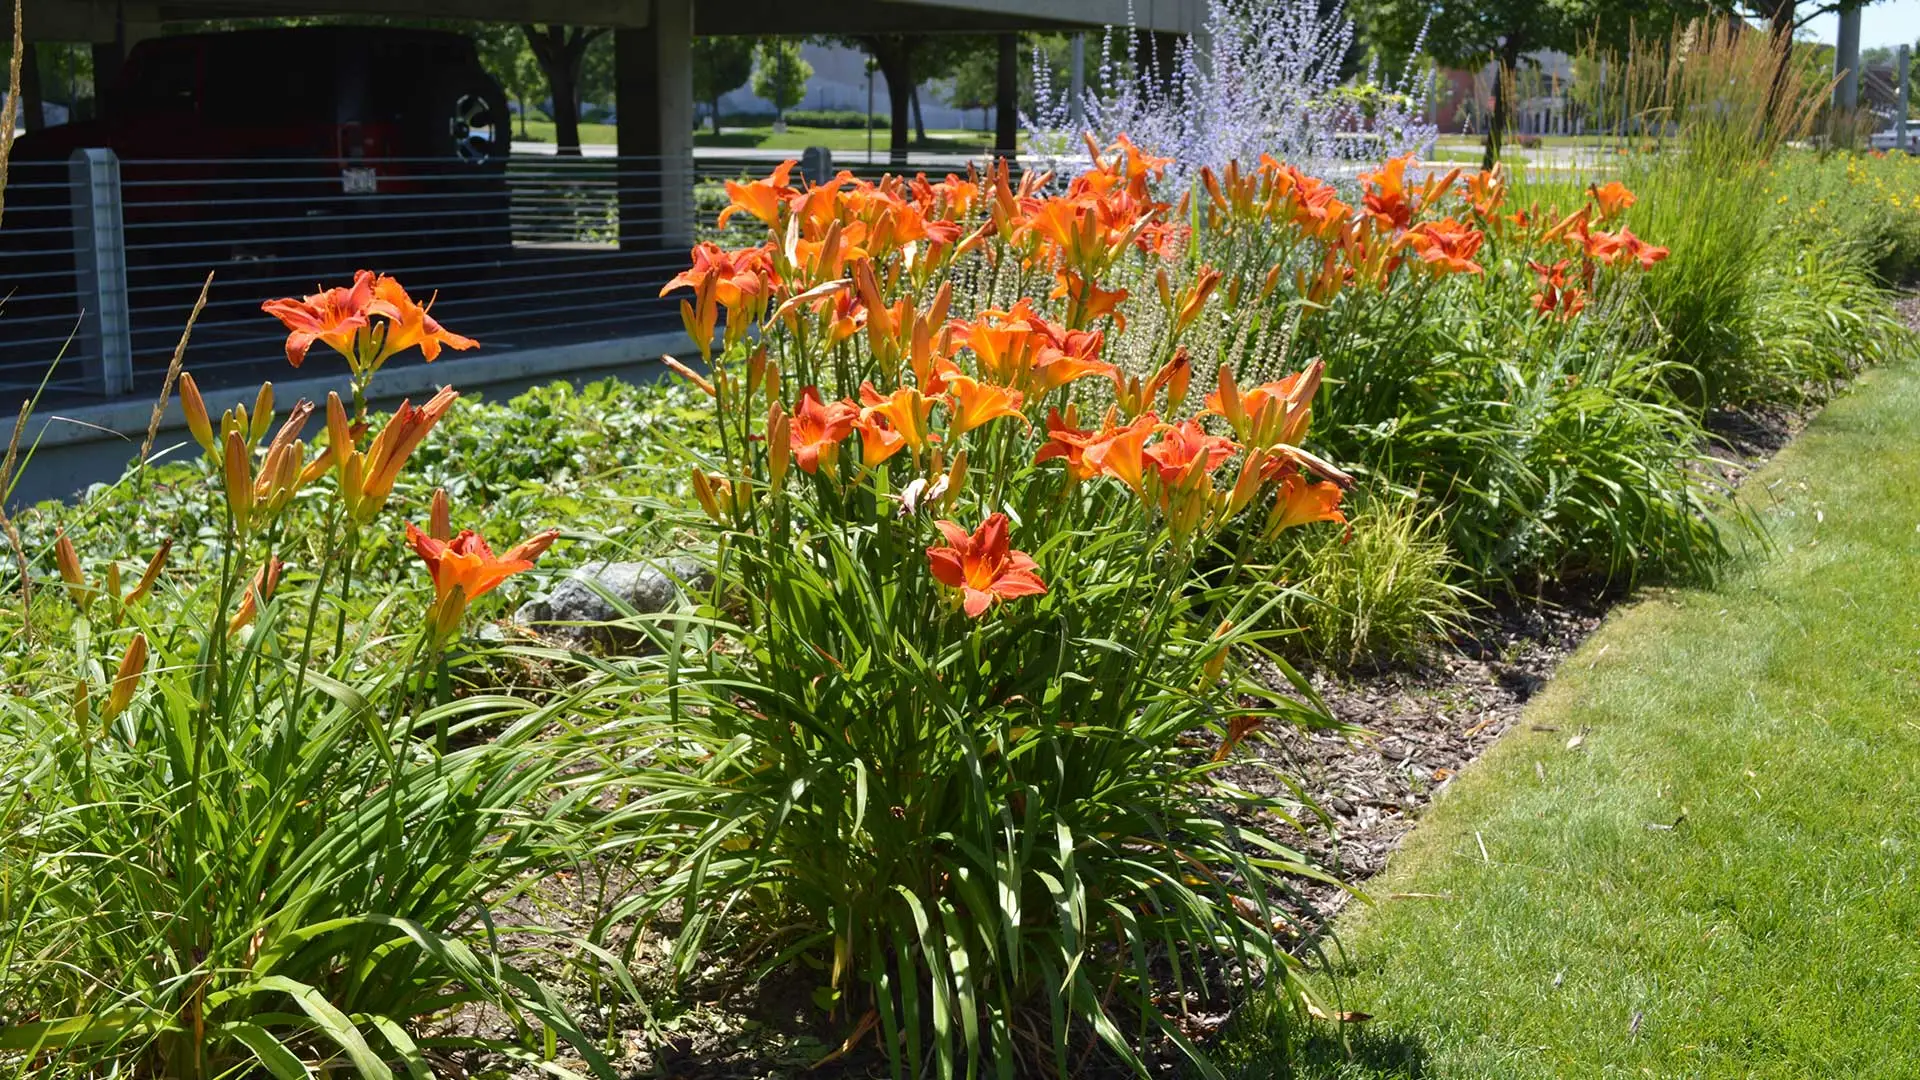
(578,608)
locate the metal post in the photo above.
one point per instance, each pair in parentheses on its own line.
(1846,62)
(100,263)
(1903,58)
(1077,83)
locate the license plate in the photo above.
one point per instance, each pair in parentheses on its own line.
(359,181)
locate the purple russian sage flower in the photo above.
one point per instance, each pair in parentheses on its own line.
(1263,77)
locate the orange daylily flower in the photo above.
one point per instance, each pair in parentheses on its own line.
(1613,198)
(1446,246)
(878,442)
(1557,295)
(1186,448)
(1120,452)
(465,569)
(1386,198)
(973,403)
(761,198)
(409,325)
(818,429)
(906,412)
(983,566)
(1623,248)
(333,317)
(1485,191)
(1064,440)
(1089,300)
(1302,502)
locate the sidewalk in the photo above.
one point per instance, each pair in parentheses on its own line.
(1699,855)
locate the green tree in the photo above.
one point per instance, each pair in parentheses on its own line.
(780,74)
(720,64)
(505,54)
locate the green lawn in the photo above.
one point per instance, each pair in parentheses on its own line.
(839,139)
(763,138)
(1722,877)
(542,131)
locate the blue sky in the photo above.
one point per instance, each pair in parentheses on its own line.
(1889,22)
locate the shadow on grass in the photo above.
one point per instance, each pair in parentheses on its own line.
(1272,1047)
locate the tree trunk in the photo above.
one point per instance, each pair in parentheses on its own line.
(1780,33)
(33,114)
(1006,97)
(894,56)
(716,113)
(919,118)
(560,50)
(1509,57)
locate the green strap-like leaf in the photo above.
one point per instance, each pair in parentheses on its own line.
(269,1051)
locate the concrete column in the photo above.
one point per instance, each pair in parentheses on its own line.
(653,94)
(1846,62)
(1006,97)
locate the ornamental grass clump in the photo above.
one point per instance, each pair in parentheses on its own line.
(952,734)
(238,838)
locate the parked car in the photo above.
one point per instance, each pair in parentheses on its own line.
(276,149)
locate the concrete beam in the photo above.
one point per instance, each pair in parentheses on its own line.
(101,20)
(947,16)
(614,13)
(96,21)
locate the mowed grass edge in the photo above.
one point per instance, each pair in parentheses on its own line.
(1697,855)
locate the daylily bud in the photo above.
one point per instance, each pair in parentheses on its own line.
(706,488)
(259,590)
(262,413)
(195,408)
(113,580)
(1230,405)
(82,715)
(1247,486)
(779,448)
(132,664)
(152,575)
(234,421)
(352,475)
(690,375)
(1216,664)
(773,381)
(239,483)
(440,516)
(1178,378)
(1272,283)
(956,476)
(69,561)
(756,371)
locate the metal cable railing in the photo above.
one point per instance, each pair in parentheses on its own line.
(541,252)
(104,257)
